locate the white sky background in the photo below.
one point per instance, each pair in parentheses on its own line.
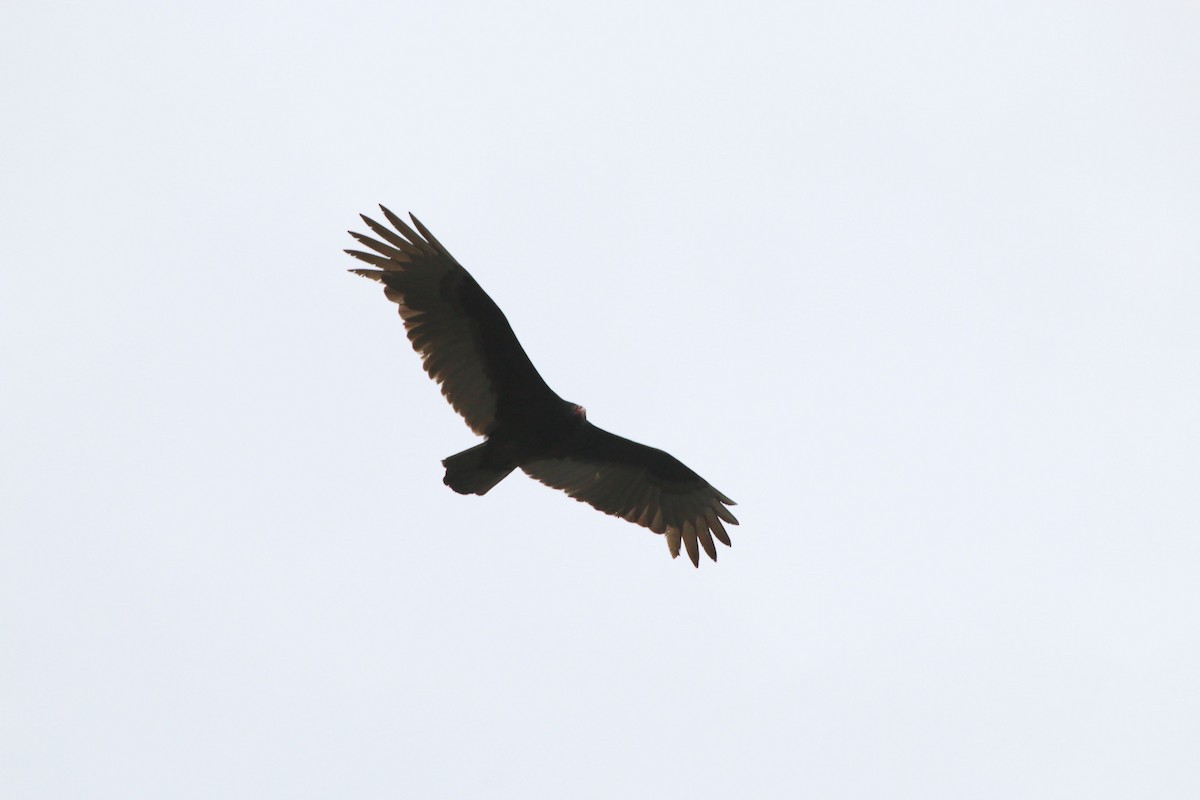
(916,284)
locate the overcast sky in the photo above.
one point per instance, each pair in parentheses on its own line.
(917,284)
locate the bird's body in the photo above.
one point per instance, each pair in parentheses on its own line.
(467,345)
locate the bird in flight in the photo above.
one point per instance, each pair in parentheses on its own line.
(467,346)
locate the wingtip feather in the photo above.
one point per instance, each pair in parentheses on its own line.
(689,541)
(673,540)
(706,539)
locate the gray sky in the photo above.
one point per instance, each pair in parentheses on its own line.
(916,284)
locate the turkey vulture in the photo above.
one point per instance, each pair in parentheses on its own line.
(467,346)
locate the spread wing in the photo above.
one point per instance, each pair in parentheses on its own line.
(640,484)
(464,340)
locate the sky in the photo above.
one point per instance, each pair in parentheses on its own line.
(915,283)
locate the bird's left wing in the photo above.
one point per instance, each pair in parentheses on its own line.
(641,484)
(464,340)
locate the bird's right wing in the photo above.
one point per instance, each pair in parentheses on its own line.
(641,484)
(463,338)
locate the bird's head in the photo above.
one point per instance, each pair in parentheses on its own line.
(579,411)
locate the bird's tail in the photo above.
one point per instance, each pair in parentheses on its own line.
(466,472)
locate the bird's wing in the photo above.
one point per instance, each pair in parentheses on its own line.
(464,340)
(640,484)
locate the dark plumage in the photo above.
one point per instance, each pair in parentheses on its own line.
(467,346)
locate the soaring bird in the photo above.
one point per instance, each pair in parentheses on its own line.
(467,346)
